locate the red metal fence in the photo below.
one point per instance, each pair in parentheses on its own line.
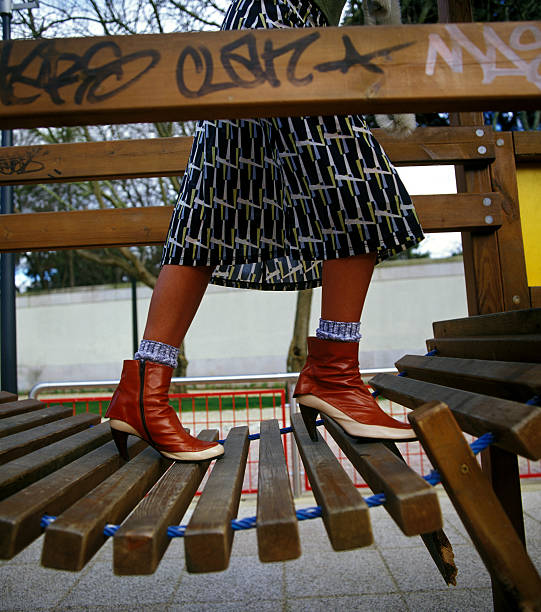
(225,409)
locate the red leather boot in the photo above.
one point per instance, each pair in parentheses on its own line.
(330,384)
(140,406)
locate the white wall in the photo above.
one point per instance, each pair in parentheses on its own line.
(85,334)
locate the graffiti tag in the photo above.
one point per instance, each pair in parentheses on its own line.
(25,164)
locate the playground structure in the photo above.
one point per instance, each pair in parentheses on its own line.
(456,67)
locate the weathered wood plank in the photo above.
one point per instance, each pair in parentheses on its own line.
(9,409)
(123,159)
(410,500)
(73,539)
(142,540)
(209,536)
(21,422)
(516,322)
(277,526)
(525,348)
(535,296)
(508,380)
(281,72)
(527,146)
(489,527)
(148,225)
(344,512)
(25,470)
(30,440)
(516,426)
(21,513)
(6,396)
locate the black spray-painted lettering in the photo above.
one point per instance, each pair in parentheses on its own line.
(41,70)
(23,164)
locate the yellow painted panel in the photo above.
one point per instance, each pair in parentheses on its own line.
(529,192)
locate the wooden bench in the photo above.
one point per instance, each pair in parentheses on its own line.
(67,466)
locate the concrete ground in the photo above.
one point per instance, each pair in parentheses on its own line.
(395,573)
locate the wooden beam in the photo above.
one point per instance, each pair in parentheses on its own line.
(122,159)
(527,146)
(148,225)
(278,72)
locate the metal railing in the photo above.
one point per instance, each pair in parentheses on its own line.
(289,379)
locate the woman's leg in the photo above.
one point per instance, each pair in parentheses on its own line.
(175,300)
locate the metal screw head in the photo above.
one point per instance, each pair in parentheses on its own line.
(481,150)
(479,132)
(516,299)
(464,468)
(487,201)
(500,142)
(489,219)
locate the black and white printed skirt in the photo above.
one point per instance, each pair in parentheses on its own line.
(266,201)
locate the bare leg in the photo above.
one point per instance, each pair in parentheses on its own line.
(344,287)
(175,300)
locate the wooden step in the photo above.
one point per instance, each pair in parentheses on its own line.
(518,322)
(21,422)
(8,409)
(6,396)
(523,347)
(345,514)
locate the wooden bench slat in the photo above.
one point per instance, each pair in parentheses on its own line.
(25,470)
(487,523)
(345,514)
(142,539)
(410,500)
(277,525)
(522,348)
(77,534)
(505,379)
(30,440)
(9,409)
(6,396)
(21,422)
(495,324)
(516,426)
(209,536)
(21,513)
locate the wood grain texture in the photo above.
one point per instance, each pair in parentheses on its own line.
(196,75)
(19,473)
(277,526)
(523,348)
(141,541)
(21,422)
(73,539)
(8,409)
(209,535)
(148,225)
(409,499)
(28,441)
(516,322)
(123,159)
(527,146)
(489,527)
(20,514)
(535,296)
(508,380)
(6,396)
(516,426)
(345,514)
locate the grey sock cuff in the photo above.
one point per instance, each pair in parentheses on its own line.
(339,331)
(152,350)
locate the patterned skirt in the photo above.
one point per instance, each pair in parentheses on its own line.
(266,201)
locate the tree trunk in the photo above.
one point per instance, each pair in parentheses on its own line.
(298,347)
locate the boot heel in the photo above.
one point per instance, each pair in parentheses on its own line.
(121,440)
(309,416)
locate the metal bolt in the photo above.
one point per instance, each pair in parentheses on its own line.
(500,142)
(487,201)
(516,299)
(489,219)
(479,133)
(481,150)
(464,468)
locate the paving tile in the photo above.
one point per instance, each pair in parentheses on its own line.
(345,573)
(246,605)
(30,587)
(245,579)
(100,587)
(451,600)
(364,603)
